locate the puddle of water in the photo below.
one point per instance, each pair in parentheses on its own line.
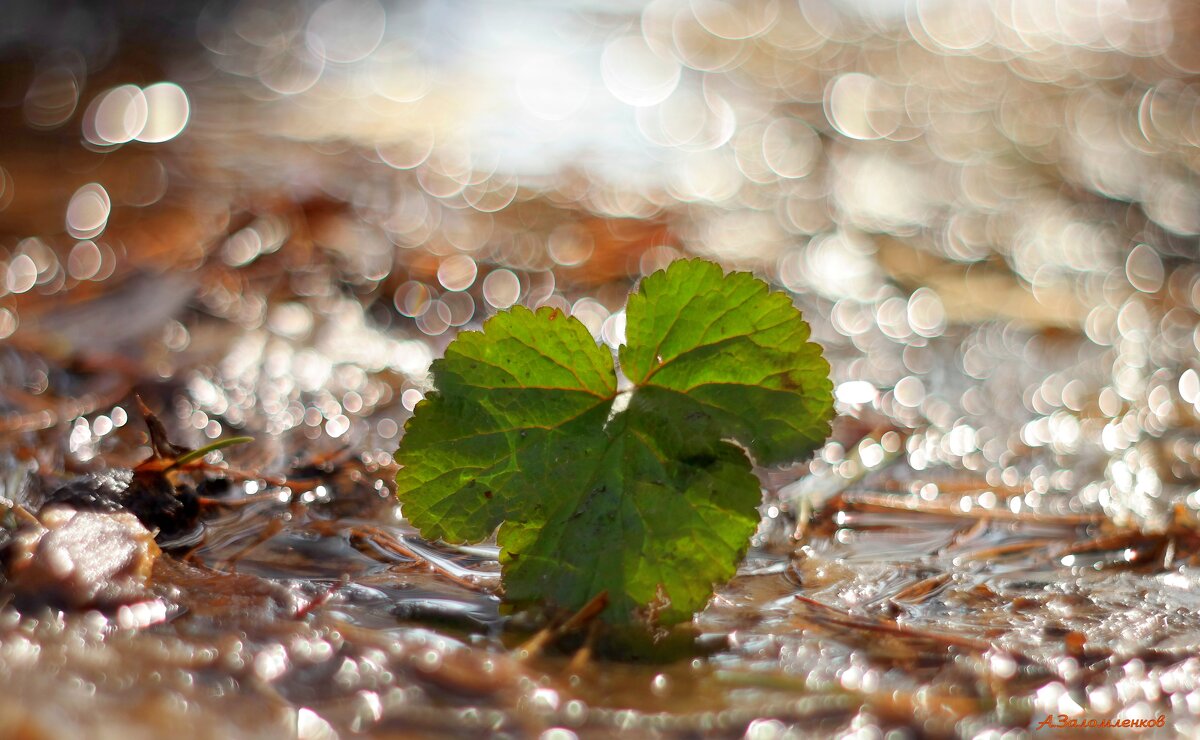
(270,218)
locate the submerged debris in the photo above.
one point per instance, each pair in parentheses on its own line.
(169,509)
(154,491)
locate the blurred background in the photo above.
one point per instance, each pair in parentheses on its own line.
(269,218)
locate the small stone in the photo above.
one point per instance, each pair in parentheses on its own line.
(82,559)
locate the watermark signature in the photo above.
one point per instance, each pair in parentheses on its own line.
(1065,722)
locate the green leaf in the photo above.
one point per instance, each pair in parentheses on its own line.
(202,452)
(653,503)
(724,346)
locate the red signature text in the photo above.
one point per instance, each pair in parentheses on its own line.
(1063,721)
